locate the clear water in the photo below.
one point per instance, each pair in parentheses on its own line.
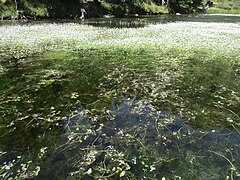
(100,114)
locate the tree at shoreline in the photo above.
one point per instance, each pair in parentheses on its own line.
(95,8)
(185,6)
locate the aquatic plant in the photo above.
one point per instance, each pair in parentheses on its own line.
(121,102)
(213,38)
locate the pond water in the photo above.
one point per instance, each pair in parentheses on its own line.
(145,20)
(144,98)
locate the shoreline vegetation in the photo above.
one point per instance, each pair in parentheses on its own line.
(80,9)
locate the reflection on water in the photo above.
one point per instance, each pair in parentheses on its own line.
(147,20)
(140,21)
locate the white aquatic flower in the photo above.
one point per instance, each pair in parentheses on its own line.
(217,37)
(43,150)
(89,171)
(70,137)
(7,167)
(152,168)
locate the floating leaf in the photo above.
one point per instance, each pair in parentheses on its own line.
(122,174)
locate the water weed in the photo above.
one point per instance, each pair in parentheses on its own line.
(156,102)
(24,40)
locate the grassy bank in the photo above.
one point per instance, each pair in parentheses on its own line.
(225,7)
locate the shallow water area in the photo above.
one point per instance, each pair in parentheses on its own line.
(151,97)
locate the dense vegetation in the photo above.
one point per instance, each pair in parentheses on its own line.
(87,102)
(84,102)
(71,9)
(9,9)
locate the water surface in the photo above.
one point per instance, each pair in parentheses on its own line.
(89,101)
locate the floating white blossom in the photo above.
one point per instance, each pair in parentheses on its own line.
(22,40)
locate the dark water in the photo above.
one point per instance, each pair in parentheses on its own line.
(96,114)
(145,20)
(141,21)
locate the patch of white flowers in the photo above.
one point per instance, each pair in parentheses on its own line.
(23,40)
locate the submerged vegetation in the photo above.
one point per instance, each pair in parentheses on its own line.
(155,102)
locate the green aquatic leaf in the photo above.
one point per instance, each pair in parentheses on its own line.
(122,174)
